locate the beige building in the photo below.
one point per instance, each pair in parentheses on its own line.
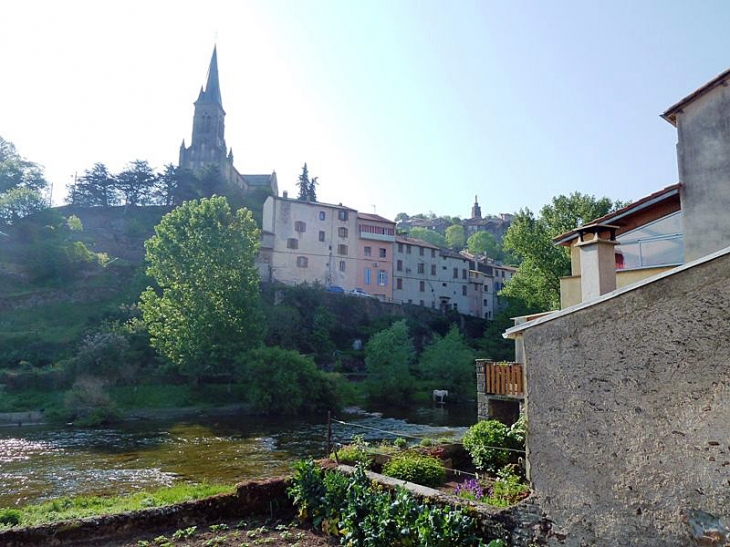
(415,272)
(310,242)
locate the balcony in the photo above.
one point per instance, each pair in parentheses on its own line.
(500,379)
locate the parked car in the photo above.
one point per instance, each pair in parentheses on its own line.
(335,289)
(360,292)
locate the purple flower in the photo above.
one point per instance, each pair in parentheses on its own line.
(470,489)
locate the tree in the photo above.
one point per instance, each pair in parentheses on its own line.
(304,184)
(137,183)
(484,243)
(96,188)
(448,363)
(19,202)
(537,281)
(312,192)
(455,237)
(207,309)
(17,172)
(388,356)
(429,236)
(400,217)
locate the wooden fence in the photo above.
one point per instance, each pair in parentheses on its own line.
(504,379)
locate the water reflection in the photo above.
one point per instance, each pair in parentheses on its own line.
(39,463)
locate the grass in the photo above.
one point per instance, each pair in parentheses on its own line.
(23,401)
(88,506)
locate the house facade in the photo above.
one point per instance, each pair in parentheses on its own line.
(375,246)
(415,272)
(310,242)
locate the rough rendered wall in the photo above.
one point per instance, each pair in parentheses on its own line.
(629,411)
(703,155)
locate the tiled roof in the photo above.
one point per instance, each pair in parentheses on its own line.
(257,180)
(414,241)
(375,218)
(671,113)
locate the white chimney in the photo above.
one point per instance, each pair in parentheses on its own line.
(597,260)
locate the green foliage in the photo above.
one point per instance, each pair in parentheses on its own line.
(400,442)
(137,183)
(95,188)
(365,515)
(17,203)
(86,506)
(417,468)
(9,517)
(354,453)
(484,244)
(388,356)
(455,237)
(303,184)
(484,441)
(508,489)
(537,281)
(88,403)
(17,172)
(492,344)
(202,258)
(448,363)
(429,236)
(285,382)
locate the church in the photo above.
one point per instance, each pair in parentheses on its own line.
(208,144)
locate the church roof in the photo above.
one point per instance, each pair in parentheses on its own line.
(212,91)
(257,180)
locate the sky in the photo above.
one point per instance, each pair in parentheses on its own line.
(412,106)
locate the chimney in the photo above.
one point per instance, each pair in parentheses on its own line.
(597,260)
(285,195)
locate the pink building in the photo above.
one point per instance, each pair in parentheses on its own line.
(375,255)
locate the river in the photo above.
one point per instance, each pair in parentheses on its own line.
(41,462)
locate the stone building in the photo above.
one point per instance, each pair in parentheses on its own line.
(208,143)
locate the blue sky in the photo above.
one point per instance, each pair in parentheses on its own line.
(409,105)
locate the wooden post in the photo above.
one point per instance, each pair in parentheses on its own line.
(329,434)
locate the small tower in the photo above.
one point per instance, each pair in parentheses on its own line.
(476,211)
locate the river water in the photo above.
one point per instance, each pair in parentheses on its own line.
(40,462)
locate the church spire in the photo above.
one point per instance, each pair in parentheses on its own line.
(212,93)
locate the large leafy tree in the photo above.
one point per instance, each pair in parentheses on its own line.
(206,311)
(388,357)
(484,243)
(430,236)
(530,239)
(17,203)
(455,237)
(17,172)
(448,363)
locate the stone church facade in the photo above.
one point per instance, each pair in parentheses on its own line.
(208,144)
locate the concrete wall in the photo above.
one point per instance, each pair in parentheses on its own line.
(703,156)
(628,410)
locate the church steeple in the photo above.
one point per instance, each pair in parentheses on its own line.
(476,211)
(212,91)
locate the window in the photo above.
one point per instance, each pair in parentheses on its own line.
(463,290)
(300,226)
(322,215)
(382,252)
(342,231)
(421,250)
(321,235)
(342,249)
(433,253)
(400,247)
(399,283)
(302,261)
(421,267)
(463,273)
(433,269)
(408,249)
(368,276)
(422,286)
(368,251)
(399,265)
(420,302)
(456,306)
(292,243)
(382,278)
(342,215)
(658,243)
(342,265)
(486,303)
(456,273)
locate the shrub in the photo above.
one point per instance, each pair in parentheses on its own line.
(483,441)
(353,454)
(414,467)
(87,403)
(9,517)
(507,489)
(400,442)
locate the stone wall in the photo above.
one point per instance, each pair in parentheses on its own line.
(628,408)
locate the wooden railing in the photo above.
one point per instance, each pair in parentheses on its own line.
(504,379)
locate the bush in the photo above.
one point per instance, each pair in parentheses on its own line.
(87,403)
(9,517)
(483,441)
(417,468)
(285,382)
(353,454)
